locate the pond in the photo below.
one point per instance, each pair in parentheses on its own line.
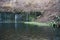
(10,29)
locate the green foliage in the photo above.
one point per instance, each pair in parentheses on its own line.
(34,15)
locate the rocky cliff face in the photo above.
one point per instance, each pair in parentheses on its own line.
(51,11)
(49,8)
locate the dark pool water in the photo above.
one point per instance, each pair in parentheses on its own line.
(20,31)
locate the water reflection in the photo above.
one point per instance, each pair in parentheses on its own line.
(34,31)
(57,34)
(17,29)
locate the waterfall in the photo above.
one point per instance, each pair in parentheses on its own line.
(16,16)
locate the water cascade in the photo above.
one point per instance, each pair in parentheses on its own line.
(16,16)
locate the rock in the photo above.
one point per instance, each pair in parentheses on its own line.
(49,8)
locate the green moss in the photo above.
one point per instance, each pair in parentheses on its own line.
(38,24)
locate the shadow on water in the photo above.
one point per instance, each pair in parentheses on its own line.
(25,32)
